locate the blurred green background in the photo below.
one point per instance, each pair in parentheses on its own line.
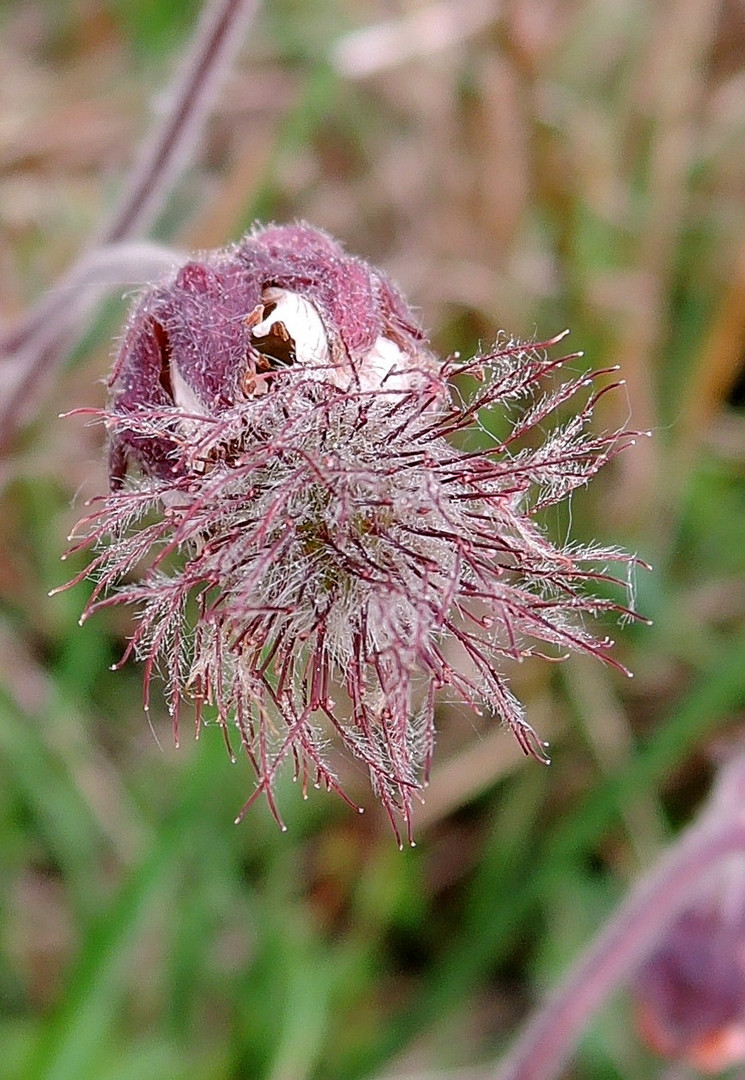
(541,165)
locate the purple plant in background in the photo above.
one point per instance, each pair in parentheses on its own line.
(690,992)
(315,528)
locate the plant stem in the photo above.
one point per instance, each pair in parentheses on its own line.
(40,339)
(545,1044)
(170,146)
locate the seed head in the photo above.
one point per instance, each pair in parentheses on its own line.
(312,523)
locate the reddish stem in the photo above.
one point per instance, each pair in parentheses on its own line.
(544,1045)
(41,338)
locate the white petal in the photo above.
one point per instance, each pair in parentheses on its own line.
(183,395)
(302,322)
(385,366)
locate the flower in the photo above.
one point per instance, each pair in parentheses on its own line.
(690,993)
(322,531)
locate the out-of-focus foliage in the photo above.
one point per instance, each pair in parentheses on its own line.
(574,164)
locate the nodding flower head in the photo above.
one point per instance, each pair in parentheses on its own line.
(321,532)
